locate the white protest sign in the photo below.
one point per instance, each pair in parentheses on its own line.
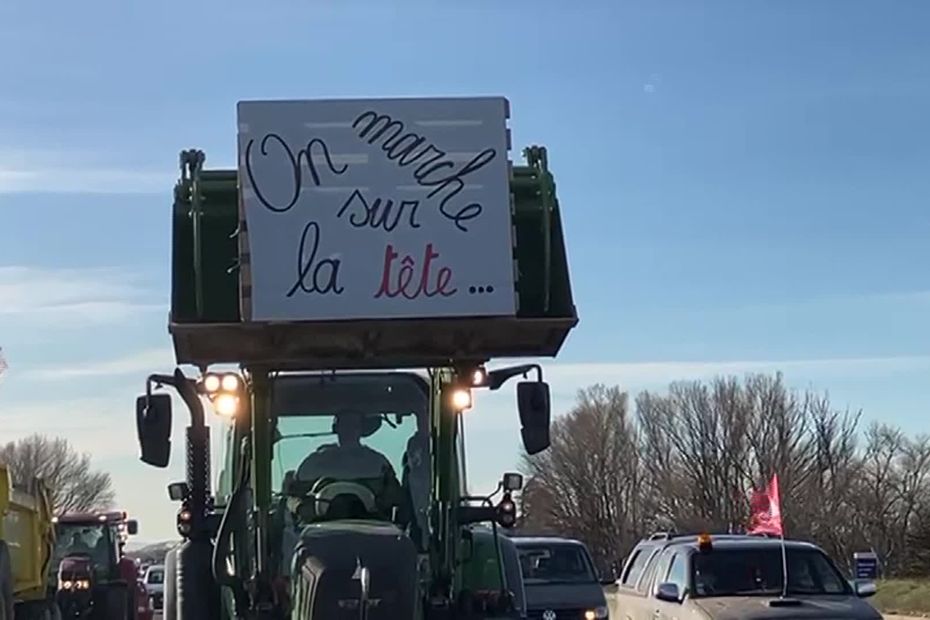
(377,208)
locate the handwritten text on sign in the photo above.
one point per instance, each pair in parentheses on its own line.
(377,208)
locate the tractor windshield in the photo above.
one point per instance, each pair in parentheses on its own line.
(96,541)
(359,427)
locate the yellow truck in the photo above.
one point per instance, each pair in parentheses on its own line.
(27,538)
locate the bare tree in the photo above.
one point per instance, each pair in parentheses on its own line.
(696,444)
(536,509)
(73,485)
(825,506)
(689,457)
(914,497)
(587,484)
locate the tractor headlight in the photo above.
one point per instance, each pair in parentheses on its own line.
(230,382)
(461,399)
(211,383)
(226,405)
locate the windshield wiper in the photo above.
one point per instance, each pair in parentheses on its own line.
(304,435)
(732,593)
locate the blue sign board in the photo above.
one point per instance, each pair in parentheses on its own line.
(866,565)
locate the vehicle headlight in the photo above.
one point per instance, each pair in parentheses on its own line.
(598,613)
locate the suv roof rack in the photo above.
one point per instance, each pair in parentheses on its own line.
(671,535)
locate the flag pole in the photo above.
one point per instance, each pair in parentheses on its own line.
(781,532)
(784,567)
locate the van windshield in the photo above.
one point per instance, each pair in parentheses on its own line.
(741,572)
(555,563)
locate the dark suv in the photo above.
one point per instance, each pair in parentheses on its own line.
(729,577)
(560,580)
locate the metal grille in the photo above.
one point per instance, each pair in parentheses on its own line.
(560,614)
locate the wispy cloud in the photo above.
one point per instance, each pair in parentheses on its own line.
(914,298)
(81,180)
(652,84)
(76,172)
(636,375)
(101,427)
(77,296)
(561,376)
(494,411)
(143,362)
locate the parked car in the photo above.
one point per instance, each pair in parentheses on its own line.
(730,577)
(144,610)
(155,584)
(560,580)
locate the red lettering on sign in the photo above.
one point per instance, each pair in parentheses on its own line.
(397,277)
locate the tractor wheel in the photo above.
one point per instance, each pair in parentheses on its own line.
(6,583)
(115,604)
(45,610)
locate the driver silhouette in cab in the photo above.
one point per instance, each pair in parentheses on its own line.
(348,459)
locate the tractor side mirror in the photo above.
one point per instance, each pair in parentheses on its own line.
(533,404)
(132,527)
(153,424)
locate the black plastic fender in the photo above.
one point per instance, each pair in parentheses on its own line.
(6,583)
(169,601)
(115,603)
(198,596)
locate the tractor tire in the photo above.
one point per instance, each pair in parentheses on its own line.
(41,610)
(115,604)
(54,613)
(6,583)
(169,601)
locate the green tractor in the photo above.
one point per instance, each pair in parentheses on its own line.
(342,491)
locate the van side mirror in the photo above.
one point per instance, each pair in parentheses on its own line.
(153,425)
(534,407)
(132,527)
(668,592)
(865,589)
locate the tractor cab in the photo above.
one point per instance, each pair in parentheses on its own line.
(351,446)
(88,569)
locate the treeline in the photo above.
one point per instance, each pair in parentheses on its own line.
(687,460)
(73,485)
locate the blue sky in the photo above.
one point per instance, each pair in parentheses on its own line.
(744,187)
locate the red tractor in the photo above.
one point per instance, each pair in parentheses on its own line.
(94,579)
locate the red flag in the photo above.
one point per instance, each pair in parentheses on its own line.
(766,510)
